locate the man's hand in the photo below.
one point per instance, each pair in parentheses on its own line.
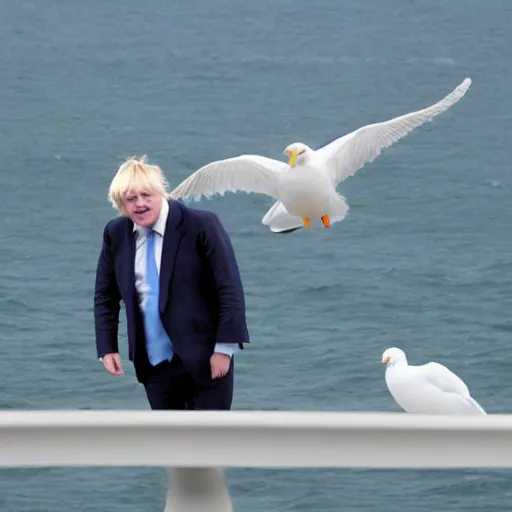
(112,363)
(219,364)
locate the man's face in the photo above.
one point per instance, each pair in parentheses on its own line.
(142,206)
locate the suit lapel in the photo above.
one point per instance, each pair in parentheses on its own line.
(130,261)
(133,240)
(171,242)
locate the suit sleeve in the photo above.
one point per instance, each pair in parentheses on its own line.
(107,300)
(232,326)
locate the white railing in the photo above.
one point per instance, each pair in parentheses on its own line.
(194,445)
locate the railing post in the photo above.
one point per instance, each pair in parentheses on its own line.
(197,490)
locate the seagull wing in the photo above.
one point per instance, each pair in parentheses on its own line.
(345,155)
(248,173)
(444,379)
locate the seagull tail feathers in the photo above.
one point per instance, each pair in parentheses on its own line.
(477,406)
(280,221)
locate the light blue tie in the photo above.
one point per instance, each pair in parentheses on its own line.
(158,344)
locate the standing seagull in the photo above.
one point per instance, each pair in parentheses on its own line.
(427,389)
(305,188)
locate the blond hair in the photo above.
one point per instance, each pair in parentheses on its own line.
(136,174)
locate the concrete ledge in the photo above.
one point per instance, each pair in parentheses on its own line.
(269,439)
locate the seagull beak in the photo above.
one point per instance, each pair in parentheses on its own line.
(293,158)
(385,360)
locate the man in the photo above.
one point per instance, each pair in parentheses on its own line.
(176,272)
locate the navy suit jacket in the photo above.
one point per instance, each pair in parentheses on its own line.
(201,294)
